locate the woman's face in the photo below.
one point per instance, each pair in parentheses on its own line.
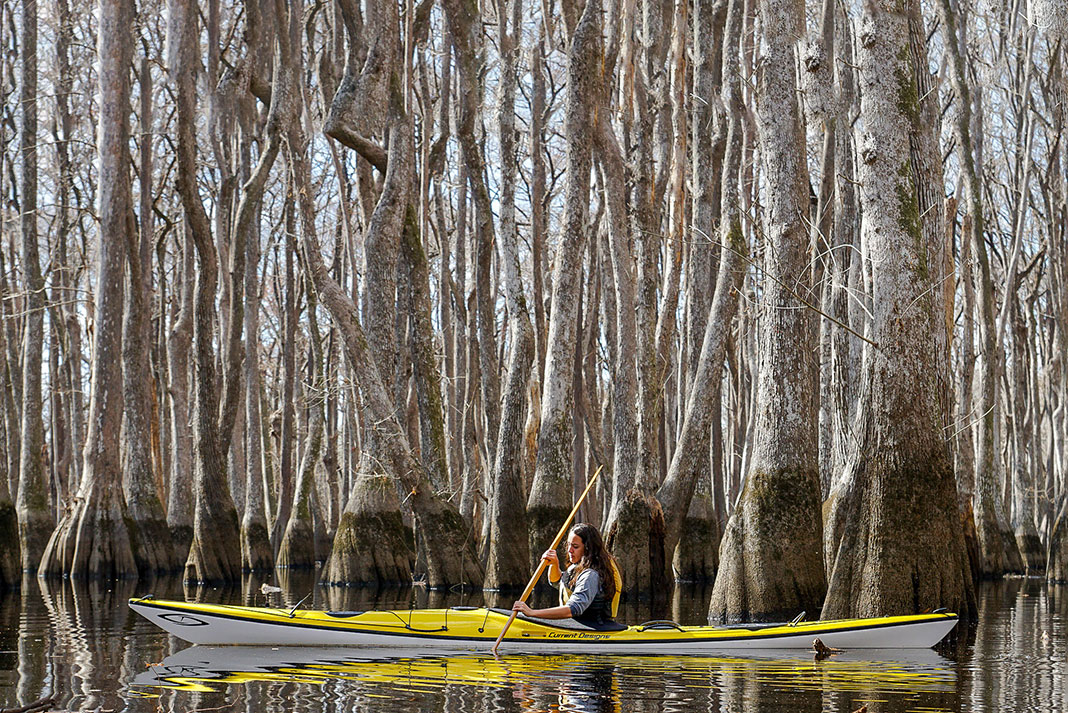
(575,549)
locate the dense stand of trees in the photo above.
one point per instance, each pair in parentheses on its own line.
(380,283)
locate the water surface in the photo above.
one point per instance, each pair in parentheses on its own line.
(82,644)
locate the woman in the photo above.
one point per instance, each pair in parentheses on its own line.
(591,583)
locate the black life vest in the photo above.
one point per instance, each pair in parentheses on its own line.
(602,609)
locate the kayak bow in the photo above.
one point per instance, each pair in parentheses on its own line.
(467,628)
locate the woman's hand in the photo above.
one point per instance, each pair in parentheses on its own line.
(552,558)
(522,608)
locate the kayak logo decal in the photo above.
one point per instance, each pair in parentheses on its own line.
(183,620)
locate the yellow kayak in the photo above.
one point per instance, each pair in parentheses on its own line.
(476,628)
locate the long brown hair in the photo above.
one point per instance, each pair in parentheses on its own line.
(596,557)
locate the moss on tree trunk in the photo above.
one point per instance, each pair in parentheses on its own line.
(636,540)
(372,546)
(696,557)
(771,563)
(256,553)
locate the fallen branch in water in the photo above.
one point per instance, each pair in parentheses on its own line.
(42,703)
(823,650)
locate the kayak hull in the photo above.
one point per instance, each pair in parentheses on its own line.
(477,629)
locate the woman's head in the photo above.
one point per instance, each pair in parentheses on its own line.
(585,547)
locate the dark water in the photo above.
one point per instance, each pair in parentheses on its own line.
(83,645)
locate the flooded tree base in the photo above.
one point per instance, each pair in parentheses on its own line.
(447,539)
(152,548)
(636,541)
(10,569)
(696,557)
(372,546)
(215,554)
(91,542)
(771,556)
(1031,551)
(255,548)
(298,546)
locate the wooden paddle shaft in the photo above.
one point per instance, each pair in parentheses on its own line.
(542,562)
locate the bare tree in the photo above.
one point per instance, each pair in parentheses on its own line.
(214,553)
(31,502)
(92,539)
(771,556)
(550,493)
(901,546)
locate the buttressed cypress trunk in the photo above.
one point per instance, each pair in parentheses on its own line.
(901,548)
(771,562)
(34,513)
(677,493)
(507,552)
(372,540)
(550,496)
(92,539)
(214,554)
(443,535)
(142,482)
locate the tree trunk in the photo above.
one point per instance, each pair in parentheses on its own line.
(141,481)
(443,536)
(1057,560)
(256,552)
(506,549)
(550,495)
(179,342)
(214,553)
(901,550)
(10,560)
(31,501)
(990,522)
(92,539)
(771,561)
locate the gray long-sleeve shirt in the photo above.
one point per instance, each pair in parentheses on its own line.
(583,588)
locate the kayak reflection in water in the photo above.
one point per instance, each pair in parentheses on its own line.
(589,589)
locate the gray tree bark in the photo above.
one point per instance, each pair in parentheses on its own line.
(142,482)
(214,553)
(771,555)
(506,547)
(31,501)
(92,539)
(901,549)
(550,496)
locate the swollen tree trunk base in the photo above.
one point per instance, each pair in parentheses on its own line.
(297,550)
(215,553)
(255,548)
(448,541)
(10,569)
(152,547)
(696,557)
(771,556)
(998,552)
(507,567)
(373,546)
(904,552)
(181,540)
(1057,560)
(543,522)
(34,529)
(92,541)
(1031,551)
(971,539)
(636,540)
